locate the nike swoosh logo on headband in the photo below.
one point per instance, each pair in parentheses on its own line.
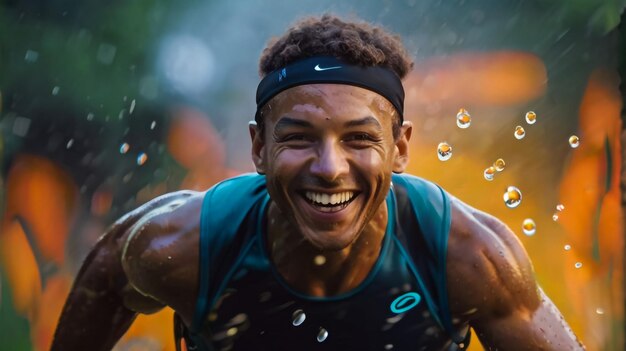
(319,69)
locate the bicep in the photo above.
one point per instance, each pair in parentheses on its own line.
(160,257)
(491,276)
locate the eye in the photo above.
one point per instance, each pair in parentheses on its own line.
(295,139)
(361,138)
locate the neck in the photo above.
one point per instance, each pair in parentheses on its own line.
(318,272)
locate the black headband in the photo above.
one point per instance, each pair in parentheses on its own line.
(319,70)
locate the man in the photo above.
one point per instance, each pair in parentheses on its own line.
(324,248)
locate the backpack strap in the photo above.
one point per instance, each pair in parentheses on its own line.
(430,206)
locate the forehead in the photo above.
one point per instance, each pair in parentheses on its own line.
(334,100)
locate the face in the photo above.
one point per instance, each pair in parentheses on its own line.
(328,153)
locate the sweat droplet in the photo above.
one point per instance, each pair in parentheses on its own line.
(567,247)
(520,133)
(512,197)
(444,151)
(142,158)
(578,265)
(124,148)
(463,119)
(499,165)
(489,173)
(560,207)
(529,227)
(574,141)
(319,260)
(531,117)
(322,335)
(298,317)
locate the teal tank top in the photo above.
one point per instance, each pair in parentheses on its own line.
(244,304)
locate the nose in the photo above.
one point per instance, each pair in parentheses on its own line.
(330,163)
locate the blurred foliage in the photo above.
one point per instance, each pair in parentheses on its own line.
(600,16)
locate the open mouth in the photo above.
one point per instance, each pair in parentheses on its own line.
(324,202)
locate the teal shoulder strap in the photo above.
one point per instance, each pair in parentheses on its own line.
(224,208)
(431,206)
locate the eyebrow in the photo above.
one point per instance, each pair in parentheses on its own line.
(369,120)
(287,122)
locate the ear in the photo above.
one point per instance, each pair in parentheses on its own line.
(258,144)
(401,159)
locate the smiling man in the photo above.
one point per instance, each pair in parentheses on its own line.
(325,248)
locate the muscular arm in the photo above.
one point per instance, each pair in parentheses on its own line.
(491,285)
(132,270)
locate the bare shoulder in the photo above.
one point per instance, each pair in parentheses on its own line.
(160,249)
(489,272)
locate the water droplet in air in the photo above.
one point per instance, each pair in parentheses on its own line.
(499,165)
(90,116)
(520,133)
(152,125)
(489,173)
(444,151)
(463,119)
(232,331)
(319,260)
(298,317)
(124,148)
(567,247)
(142,158)
(574,141)
(560,207)
(132,107)
(555,217)
(322,335)
(55,90)
(69,144)
(529,227)
(578,265)
(599,310)
(31,56)
(512,197)
(531,117)
(388,347)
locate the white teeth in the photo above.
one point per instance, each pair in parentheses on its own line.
(326,199)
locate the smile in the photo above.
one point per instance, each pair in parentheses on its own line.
(329,202)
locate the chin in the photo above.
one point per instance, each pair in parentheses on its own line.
(330,241)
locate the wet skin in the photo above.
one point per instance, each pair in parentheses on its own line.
(320,139)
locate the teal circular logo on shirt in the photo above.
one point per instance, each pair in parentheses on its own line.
(405,302)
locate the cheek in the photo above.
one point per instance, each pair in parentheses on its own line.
(372,160)
(286,162)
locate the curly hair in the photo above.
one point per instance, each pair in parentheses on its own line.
(357,43)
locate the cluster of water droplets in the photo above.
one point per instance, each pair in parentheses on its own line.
(497,167)
(142,157)
(298,317)
(559,208)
